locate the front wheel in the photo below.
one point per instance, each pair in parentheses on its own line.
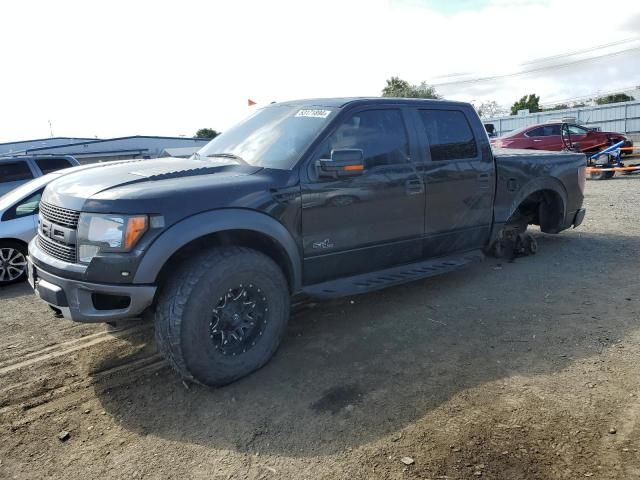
(13,262)
(223,315)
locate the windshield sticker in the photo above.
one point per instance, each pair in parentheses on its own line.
(313,113)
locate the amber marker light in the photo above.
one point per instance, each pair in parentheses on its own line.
(136,226)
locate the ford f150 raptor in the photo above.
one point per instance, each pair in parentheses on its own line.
(315,198)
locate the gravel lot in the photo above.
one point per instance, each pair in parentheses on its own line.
(524,370)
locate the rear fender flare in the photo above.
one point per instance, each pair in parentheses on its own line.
(502,215)
(537,185)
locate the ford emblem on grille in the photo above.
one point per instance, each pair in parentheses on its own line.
(45,228)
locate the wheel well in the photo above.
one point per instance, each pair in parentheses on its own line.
(240,238)
(544,208)
(14,240)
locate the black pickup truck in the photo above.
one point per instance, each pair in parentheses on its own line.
(313,198)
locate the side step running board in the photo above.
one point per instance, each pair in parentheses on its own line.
(380,279)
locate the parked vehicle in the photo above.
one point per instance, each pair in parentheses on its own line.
(491,130)
(547,136)
(14,171)
(19,224)
(215,246)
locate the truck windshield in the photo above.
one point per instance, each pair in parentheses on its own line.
(273,137)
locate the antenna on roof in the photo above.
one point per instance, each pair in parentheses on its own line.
(50,129)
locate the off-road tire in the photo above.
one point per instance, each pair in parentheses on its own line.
(185,309)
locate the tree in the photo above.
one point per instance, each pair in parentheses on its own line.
(396,87)
(531,102)
(206,133)
(615,98)
(491,109)
(559,106)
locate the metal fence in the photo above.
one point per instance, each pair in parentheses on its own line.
(616,117)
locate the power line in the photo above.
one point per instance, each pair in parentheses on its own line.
(533,70)
(554,57)
(591,95)
(578,52)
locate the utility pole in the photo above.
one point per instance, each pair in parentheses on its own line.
(50,129)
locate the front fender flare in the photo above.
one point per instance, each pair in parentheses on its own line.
(202,224)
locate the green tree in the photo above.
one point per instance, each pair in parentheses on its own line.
(206,133)
(615,98)
(531,102)
(396,87)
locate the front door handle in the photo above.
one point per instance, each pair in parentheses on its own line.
(414,186)
(483,177)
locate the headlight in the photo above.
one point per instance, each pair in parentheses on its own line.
(108,233)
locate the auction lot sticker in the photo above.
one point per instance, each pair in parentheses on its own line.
(313,113)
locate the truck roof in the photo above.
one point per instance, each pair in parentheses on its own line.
(340,102)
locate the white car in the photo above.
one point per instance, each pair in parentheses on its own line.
(18,225)
(19,210)
(16,171)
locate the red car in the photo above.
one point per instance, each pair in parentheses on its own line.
(546,136)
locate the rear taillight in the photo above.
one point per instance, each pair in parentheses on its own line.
(582,178)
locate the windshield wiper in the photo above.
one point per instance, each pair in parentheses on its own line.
(233,156)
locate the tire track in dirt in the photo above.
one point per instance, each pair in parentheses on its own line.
(65,348)
(59,375)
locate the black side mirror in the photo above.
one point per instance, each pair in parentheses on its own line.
(345,162)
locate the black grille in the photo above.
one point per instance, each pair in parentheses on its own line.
(58,250)
(61,216)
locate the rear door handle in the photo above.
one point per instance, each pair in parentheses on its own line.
(483,177)
(537,140)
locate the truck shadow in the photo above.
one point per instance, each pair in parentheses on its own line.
(352,371)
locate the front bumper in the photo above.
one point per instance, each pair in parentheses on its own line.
(89,302)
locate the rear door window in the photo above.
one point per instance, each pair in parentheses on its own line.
(544,131)
(48,165)
(449,134)
(14,172)
(536,132)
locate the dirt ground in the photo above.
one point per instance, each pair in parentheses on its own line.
(524,370)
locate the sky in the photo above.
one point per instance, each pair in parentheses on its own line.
(137,67)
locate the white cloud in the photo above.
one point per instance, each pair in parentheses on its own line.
(171,67)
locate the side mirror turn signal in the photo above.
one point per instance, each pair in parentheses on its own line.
(344,162)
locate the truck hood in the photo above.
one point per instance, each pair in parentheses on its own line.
(73,190)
